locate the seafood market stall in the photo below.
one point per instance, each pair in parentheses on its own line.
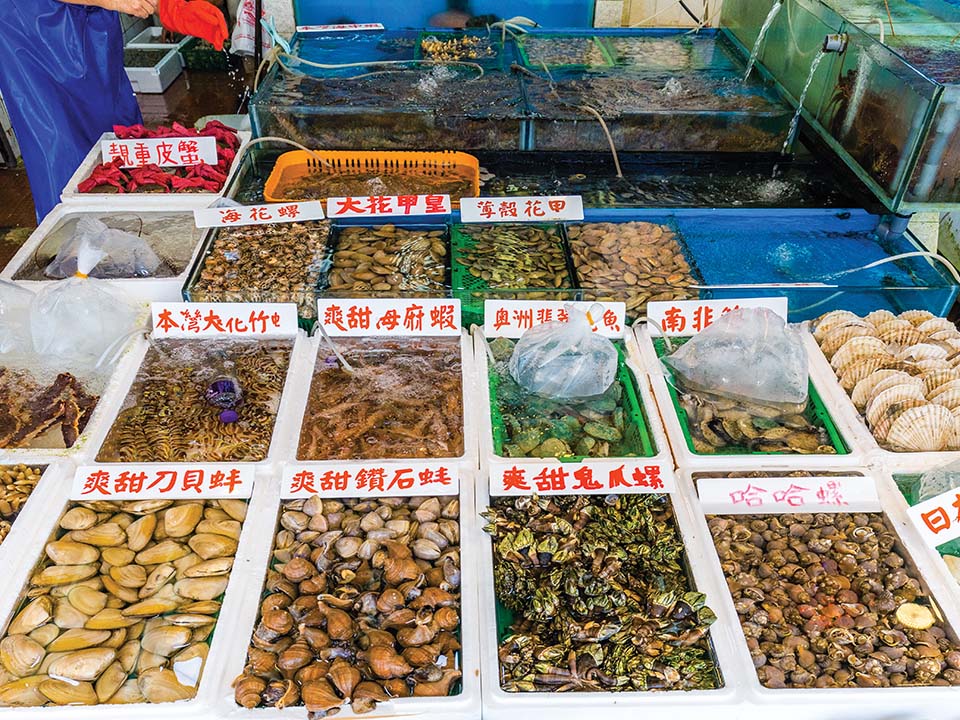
(503,371)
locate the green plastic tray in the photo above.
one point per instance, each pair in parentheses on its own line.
(472,291)
(816,413)
(608,60)
(635,423)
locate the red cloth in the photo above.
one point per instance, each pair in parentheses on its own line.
(197,18)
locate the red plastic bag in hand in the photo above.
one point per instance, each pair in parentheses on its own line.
(197,18)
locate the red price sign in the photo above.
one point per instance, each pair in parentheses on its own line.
(383,316)
(172,481)
(682,318)
(739,496)
(388,206)
(187,320)
(512,318)
(589,477)
(521,209)
(258,214)
(165,152)
(371,479)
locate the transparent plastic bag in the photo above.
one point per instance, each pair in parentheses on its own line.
(748,355)
(79,320)
(938,481)
(15,319)
(564,360)
(124,255)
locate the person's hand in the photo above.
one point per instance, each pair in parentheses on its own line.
(137,8)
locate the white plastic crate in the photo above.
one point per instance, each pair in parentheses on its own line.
(127,373)
(253,566)
(143,289)
(149,40)
(726,701)
(158,78)
(140,201)
(836,703)
(687,458)
(843,406)
(29,547)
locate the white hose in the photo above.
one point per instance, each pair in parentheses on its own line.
(343,361)
(376,63)
(288,141)
(920,253)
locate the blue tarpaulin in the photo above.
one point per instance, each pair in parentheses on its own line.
(62,79)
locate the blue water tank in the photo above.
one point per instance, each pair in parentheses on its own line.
(549,13)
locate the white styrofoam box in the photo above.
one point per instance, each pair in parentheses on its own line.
(842,405)
(254,562)
(113,390)
(839,703)
(483,418)
(148,40)
(687,458)
(288,443)
(140,201)
(55,480)
(656,705)
(159,77)
(127,373)
(29,548)
(142,289)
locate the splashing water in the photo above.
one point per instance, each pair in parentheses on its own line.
(763,31)
(859,88)
(795,122)
(672,88)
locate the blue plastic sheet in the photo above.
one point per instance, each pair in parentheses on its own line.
(63,82)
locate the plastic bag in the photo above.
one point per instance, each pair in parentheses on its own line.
(747,355)
(938,481)
(15,319)
(243,39)
(564,360)
(79,320)
(124,255)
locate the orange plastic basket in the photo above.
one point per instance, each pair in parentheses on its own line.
(294,166)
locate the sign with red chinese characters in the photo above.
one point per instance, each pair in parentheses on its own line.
(588,477)
(389,316)
(512,318)
(938,519)
(388,206)
(188,320)
(682,318)
(749,495)
(165,152)
(179,481)
(371,479)
(521,209)
(343,27)
(258,214)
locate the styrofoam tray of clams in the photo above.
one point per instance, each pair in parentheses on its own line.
(297,410)
(111,388)
(199,354)
(55,474)
(727,698)
(141,201)
(176,254)
(834,433)
(229,689)
(490,461)
(142,624)
(839,703)
(894,377)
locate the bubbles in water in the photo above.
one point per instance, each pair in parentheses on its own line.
(773,190)
(786,258)
(672,88)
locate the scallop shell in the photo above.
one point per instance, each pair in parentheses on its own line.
(936,324)
(877,407)
(923,351)
(936,378)
(857,371)
(953,442)
(893,411)
(825,323)
(864,390)
(932,365)
(857,348)
(878,317)
(901,336)
(916,317)
(947,335)
(899,377)
(922,429)
(836,338)
(950,398)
